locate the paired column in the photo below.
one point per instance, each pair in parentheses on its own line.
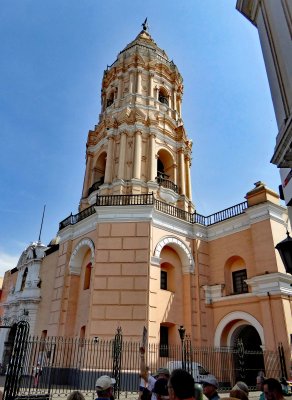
(122,155)
(152,158)
(182,170)
(109,161)
(151,76)
(188,178)
(139,81)
(131,85)
(120,87)
(89,162)
(137,155)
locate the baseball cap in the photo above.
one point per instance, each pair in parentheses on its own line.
(104,382)
(163,371)
(210,380)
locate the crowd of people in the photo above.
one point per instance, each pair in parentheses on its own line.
(180,385)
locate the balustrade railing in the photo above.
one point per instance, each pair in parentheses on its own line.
(167,184)
(149,199)
(95,186)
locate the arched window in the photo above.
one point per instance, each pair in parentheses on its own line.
(110,99)
(163,97)
(23,279)
(87,276)
(167,274)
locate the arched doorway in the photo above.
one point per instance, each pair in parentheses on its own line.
(248,356)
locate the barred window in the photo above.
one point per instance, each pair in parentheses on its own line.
(163,280)
(163,348)
(238,277)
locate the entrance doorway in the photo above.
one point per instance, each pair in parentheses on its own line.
(249,358)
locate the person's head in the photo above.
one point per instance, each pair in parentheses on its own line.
(104,386)
(76,395)
(238,394)
(241,386)
(210,386)
(162,373)
(181,385)
(160,389)
(272,389)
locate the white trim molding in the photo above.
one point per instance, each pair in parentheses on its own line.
(235,317)
(78,254)
(188,264)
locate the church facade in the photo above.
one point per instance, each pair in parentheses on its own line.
(137,253)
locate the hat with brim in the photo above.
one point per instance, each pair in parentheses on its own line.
(210,380)
(162,371)
(104,382)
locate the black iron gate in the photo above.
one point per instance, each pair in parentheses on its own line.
(15,366)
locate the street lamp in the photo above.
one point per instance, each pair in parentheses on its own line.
(285,250)
(182,333)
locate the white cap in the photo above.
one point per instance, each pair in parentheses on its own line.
(104,382)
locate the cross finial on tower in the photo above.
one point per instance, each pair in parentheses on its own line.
(145,25)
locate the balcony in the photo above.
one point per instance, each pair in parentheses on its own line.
(166,183)
(149,199)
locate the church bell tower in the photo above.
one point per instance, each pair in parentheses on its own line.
(140,145)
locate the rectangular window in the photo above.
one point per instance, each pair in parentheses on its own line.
(163,280)
(238,277)
(163,349)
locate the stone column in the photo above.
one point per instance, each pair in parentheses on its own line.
(120,87)
(137,155)
(139,81)
(131,85)
(182,171)
(87,177)
(175,173)
(179,105)
(151,76)
(174,99)
(122,155)
(109,161)
(188,177)
(152,158)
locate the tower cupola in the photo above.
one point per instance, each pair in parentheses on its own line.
(140,144)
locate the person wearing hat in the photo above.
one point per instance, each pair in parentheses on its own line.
(240,385)
(210,386)
(159,390)
(104,387)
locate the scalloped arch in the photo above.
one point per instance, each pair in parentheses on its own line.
(188,264)
(78,254)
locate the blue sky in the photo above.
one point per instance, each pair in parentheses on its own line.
(53,54)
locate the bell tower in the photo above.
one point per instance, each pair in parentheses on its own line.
(140,145)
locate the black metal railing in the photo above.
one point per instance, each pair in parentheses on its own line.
(173,211)
(166,183)
(126,200)
(96,185)
(149,199)
(75,363)
(74,218)
(226,214)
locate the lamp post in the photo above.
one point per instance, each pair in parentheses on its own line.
(285,250)
(182,333)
